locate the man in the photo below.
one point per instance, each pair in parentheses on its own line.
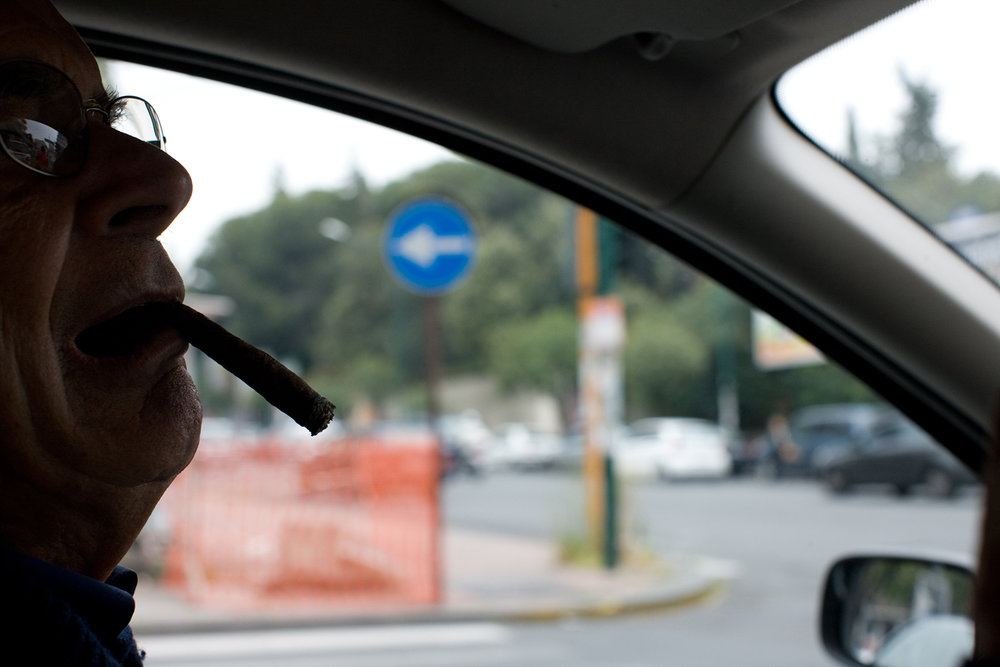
(91,437)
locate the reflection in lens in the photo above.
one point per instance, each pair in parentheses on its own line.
(40,147)
(43,126)
(16,139)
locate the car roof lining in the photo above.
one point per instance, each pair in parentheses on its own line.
(456,52)
(573,26)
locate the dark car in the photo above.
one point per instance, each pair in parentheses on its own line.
(899,454)
(816,434)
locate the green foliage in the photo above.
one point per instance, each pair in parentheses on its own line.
(665,368)
(916,147)
(763,392)
(915,167)
(277,269)
(538,353)
(332,306)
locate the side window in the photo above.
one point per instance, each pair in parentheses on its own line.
(487,343)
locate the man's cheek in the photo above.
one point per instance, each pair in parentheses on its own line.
(32,390)
(19,435)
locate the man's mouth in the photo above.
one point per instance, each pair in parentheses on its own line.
(125,333)
(142,327)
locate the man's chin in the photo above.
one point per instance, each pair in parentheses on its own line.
(137,439)
(171,419)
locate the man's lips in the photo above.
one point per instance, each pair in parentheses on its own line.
(139,329)
(125,333)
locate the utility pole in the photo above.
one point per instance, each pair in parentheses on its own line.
(602,334)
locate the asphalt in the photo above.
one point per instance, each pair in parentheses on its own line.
(485,576)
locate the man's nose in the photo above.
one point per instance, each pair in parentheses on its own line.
(129,186)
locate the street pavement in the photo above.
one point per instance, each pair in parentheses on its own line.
(486,576)
(771,544)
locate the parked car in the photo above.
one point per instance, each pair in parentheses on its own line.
(571,451)
(817,433)
(673,448)
(465,443)
(518,447)
(225,435)
(899,454)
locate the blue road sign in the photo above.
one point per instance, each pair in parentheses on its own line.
(429,245)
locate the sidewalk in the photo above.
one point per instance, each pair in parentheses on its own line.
(486,577)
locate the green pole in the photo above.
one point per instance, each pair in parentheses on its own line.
(610,514)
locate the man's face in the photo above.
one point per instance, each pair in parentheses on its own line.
(74,252)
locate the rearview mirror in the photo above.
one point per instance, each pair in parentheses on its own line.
(898,611)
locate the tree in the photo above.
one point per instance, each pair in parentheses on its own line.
(916,148)
(666,368)
(914,166)
(538,353)
(332,306)
(335,309)
(278,270)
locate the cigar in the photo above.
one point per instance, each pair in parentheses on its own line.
(263,373)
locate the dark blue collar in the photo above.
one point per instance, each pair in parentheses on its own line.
(106,606)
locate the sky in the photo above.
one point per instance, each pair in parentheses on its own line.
(236,142)
(947,44)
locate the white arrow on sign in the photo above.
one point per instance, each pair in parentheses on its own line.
(422,246)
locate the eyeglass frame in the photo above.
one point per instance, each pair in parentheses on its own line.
(88,106)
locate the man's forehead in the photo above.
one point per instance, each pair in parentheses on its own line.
(34,29)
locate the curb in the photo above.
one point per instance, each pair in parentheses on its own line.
(668,598)
(640,604)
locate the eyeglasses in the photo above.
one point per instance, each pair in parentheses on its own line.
(43,118)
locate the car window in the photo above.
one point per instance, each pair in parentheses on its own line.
(901,104)
(297,240)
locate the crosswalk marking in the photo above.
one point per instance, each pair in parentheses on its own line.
(314,640)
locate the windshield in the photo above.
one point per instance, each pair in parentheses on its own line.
(908,106)
(480,473)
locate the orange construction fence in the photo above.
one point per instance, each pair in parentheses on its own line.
(350,524)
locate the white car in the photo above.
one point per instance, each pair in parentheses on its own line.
(518,447)
(671,448)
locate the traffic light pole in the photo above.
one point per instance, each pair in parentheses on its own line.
(600,389)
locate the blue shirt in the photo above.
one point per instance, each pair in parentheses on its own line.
(77,620)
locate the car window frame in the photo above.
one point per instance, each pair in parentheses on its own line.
(944,420)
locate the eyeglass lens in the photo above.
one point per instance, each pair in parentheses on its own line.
(136,117)
(42,126)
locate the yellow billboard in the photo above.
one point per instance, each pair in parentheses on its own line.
(775,346)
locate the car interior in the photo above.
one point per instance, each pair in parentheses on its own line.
(665,117)
(687,148)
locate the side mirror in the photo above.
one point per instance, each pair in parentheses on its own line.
(898,611)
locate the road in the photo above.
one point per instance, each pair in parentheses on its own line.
(778,538)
